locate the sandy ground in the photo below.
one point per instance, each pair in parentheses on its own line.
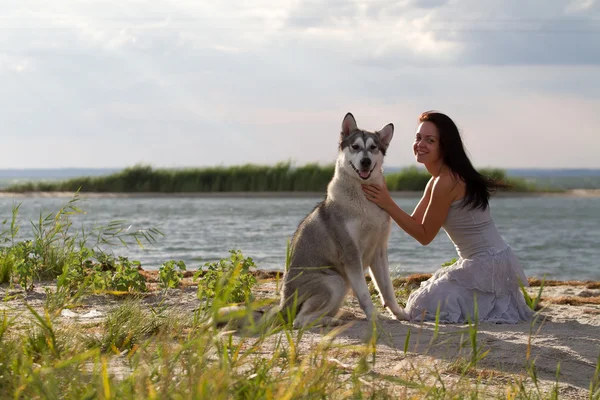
(567,333)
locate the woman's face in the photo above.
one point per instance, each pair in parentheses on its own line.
(427,143)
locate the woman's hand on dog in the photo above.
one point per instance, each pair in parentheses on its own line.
(379,195)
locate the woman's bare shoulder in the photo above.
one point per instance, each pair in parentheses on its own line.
(450,184)
(444,181)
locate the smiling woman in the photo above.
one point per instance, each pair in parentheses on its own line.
(485,282)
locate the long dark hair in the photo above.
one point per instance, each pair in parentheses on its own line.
(478,187)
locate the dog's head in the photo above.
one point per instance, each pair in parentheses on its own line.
(362,152)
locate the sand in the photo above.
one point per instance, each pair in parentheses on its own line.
(567,332)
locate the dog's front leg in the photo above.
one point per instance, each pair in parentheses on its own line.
(356,277)
(380,272)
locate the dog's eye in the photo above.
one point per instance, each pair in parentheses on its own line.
(373,147)
(355,147)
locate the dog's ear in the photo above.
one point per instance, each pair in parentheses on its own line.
(348,124)
(385,134)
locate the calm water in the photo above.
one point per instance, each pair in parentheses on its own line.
(559,237)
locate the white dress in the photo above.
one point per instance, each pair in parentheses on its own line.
(487,271)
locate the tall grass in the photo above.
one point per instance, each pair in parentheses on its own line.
(410,178)
(244,178)
(137,353)
(282,177)
(59,249)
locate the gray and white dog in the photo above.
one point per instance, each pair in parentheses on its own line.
(342,237)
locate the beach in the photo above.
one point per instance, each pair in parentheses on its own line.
(565,335)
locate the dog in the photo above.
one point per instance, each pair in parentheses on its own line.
(343,236)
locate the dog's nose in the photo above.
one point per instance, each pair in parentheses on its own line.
(365,162)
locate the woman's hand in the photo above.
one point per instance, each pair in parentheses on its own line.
(379,195)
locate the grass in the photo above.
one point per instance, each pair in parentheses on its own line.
(137,353)
(58,250)
(281,177)
(150,350)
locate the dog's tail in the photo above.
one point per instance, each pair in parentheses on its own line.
(241,317)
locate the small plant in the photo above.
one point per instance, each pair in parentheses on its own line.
(118,274)
(77,273)
(594,383)
(228,280)
(373,292)
(288,255)
(127,276)
(402,293)
(477,353)
(170,274)
(8,259)
(127,325)
(43,338)
(5,323)
(532,302)
(449,263)
(25,264)
(123,275)
(7,265)
(71,286)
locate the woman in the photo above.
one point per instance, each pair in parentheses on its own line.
(456,198)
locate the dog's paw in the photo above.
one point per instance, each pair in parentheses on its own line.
(324,321)
(400,315)
(374,328)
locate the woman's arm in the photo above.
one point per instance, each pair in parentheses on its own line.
(435,213)
(419,211)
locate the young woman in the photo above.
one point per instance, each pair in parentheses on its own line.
(456,198)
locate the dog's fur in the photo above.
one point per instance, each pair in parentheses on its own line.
(343,236)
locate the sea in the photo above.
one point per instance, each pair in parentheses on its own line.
(557,237)
(554,237)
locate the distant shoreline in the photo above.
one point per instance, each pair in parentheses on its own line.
(397,194)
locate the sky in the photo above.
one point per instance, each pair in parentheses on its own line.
(95,84)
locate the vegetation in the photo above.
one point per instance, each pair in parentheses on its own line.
(170,274)
(281,177)
(59,250)
(449,263)
(144,350)
(228,279)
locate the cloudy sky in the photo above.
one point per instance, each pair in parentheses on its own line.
(198,83)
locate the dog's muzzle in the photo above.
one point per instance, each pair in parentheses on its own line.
(364,173)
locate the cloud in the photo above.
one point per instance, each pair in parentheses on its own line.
(382,33)
(191,83)
(390,33)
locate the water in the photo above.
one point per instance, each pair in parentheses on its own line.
(555,236)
